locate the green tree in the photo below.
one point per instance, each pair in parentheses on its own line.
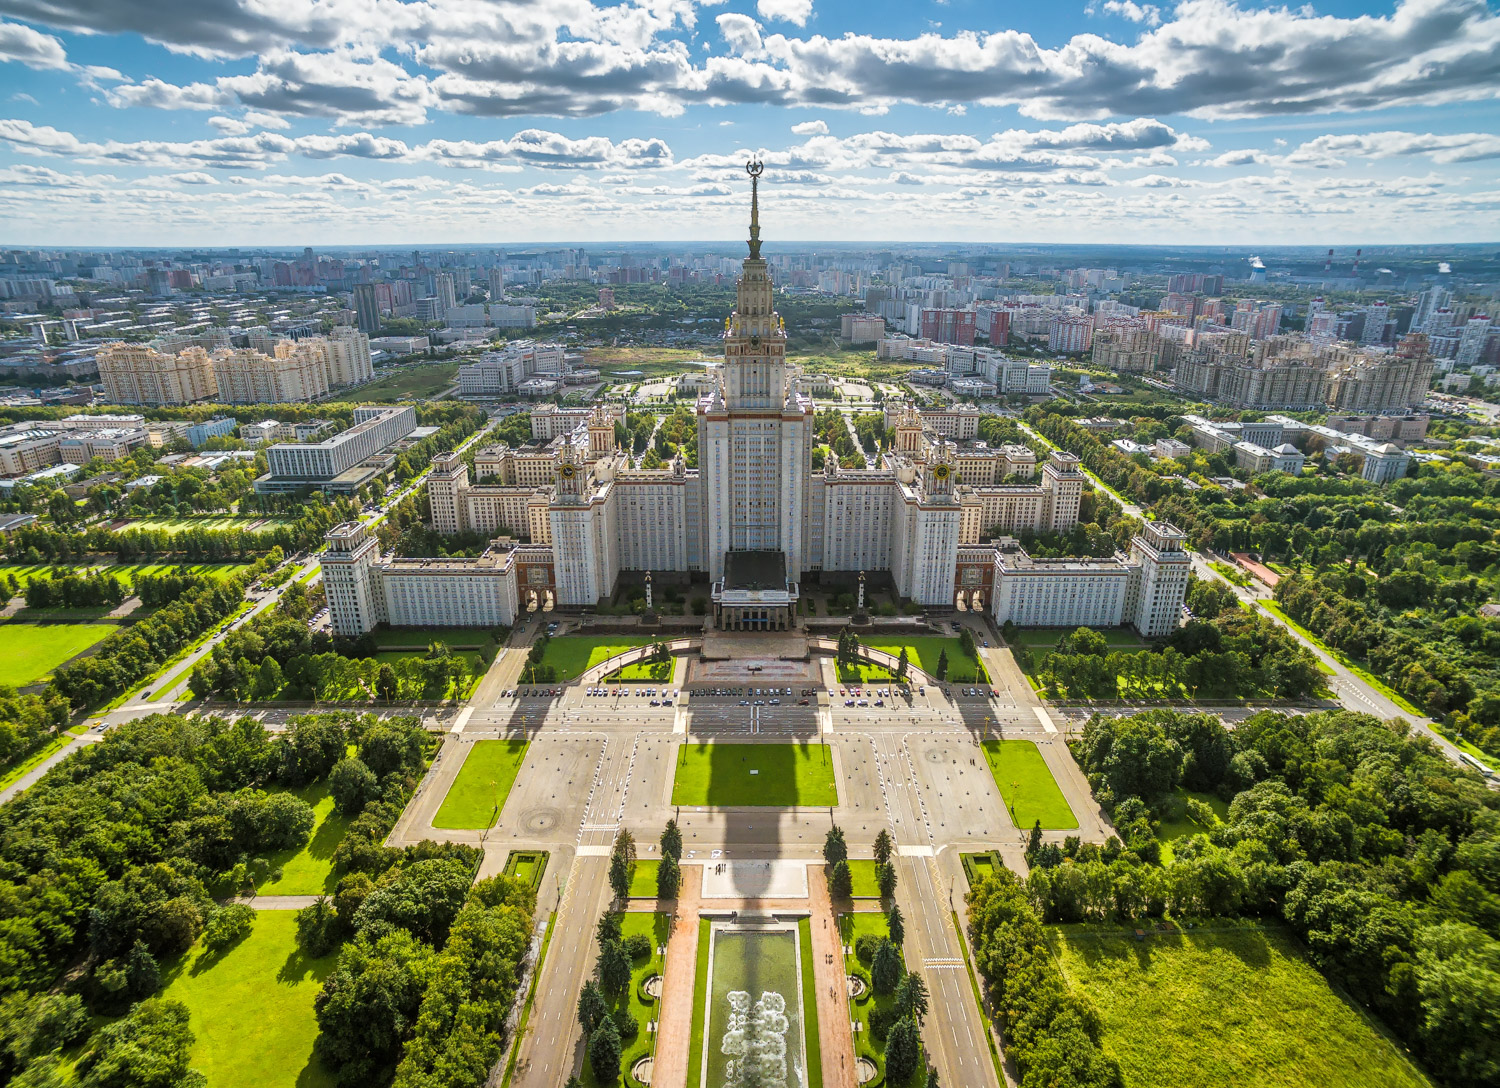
(903,665)
(352,785)
(942,665)
(605,1052)
(614,967)
(885,847)
(903,1051)
(228,926)
(911,997)
(148,1048)
(840,880)
(385,682)
(835,849)
(885,968)
(668,878)
(620,874)
(896,925)
(885,876)
(593,1010)
(671,840)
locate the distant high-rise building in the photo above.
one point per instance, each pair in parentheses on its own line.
(366,309)
(1429,302)
(497,283)
(1471,342)
(443,289)
(949,326)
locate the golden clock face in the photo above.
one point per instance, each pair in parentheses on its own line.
(941,472)
(568,471)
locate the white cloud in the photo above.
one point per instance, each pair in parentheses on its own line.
(229,126)
(791,11)
(740,32)
(1136,13)
(31,47)
(811,128)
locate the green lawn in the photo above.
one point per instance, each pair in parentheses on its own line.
(252,1008)
(810,1006)
(131,571)
(309,871)
(30,651)
(478,793)
(643,879)
(659,672)
(1225,1009)
(863,874)
(700,1004)
(923,651)
(527,866)
(979,866)
(24,573)
(1027,785)
(1177,824)
(571,655)
(642,1009)
(418,382)
(776,775)
(251,522)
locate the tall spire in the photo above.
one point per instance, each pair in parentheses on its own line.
(754,169)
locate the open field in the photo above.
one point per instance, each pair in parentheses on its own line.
(181,525)
(1238,1007)
(572,655)
(483,783)
(777,775)
(131,571)
(634,1001)
(30,651)
(653,363)
(252,1008)
(25,572)
(309,870)
(1027,785)
(418,382)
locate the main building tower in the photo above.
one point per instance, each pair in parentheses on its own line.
(755,431)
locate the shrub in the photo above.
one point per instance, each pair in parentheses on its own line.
(865,947)
(228,926)
(638,946)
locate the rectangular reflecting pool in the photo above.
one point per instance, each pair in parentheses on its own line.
(753,1030)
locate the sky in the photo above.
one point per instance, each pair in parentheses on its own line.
(371,122)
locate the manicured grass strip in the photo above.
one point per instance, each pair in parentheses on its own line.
(979,866)
(785,775)
(478,793)
(643,880)
(251,1009)
(866,886)
(809,1005)
(1027,785)
(30,651)
(1045,638)
(1233,1007)
(515,1044)
(309,870)
(455,638)
(25,766)
(923,651)
(572,655)
(989,1036)
(224,521)
(700,1004)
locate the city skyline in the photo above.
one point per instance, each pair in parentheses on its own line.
(372,122)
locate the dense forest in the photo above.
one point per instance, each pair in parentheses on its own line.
(110,864)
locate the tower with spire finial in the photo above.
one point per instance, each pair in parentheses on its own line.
(755,431)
